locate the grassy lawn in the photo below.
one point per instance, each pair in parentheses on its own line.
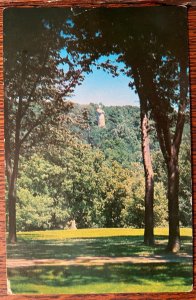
(106,278)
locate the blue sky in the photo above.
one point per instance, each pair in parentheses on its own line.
(100,86)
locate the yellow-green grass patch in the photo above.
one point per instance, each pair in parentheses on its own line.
(95,233)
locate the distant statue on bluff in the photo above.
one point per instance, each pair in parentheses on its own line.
(100,117)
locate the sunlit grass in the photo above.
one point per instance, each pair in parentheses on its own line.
(118,278)
(106,278)
(95,233)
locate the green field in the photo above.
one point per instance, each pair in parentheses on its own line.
(103,277)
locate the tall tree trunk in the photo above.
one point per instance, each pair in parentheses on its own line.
(172,165)
(173,204)
(12,213)
(147,162)
(149,181)
(12,197)
(11,180)
(12,172)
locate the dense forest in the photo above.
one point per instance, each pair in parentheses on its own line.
(95,175)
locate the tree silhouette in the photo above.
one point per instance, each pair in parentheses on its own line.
(38,80)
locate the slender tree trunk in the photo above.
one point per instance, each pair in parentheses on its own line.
(173,204)
(12,213)
(149,181)
(147,162)
(173,170)
(12,174)
(11,179)
(12,198)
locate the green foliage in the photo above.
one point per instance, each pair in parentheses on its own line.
(95,184)
(160,205)
(78,182)
(134,208)
(41,203)
(33,212)
(37,86)
(120,140)
(185,188)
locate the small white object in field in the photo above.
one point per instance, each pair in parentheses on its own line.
(9,291)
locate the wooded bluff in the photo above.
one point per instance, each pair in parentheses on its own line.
(95,175)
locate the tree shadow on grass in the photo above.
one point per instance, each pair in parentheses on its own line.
(77,276)
(111,246)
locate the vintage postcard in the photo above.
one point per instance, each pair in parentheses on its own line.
(97,150)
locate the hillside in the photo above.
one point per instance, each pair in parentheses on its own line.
(120,139)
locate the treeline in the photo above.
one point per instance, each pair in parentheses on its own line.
(95,175)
